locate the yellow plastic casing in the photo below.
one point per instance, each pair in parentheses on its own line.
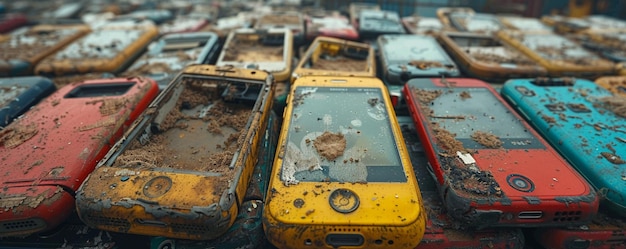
(486,70)
(184,204)
(335,47)
(305,214)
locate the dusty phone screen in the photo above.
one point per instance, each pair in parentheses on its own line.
(340,134)
(469,112)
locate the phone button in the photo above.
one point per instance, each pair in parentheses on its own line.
(344,200)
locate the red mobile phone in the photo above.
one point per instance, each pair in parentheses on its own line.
(491,167)
(48,152)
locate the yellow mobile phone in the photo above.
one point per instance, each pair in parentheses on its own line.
(183,168)
(108,50)
(337,57)
(342,176)
(264,49)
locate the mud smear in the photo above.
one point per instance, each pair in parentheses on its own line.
(250,50)
(339,63)
(462,177)
(201,133)
(615,159)
(14,136)
(330,145)
(487,139)
(425,64)
(426,96)
(465,95)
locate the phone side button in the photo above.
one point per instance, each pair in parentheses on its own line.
(524,114)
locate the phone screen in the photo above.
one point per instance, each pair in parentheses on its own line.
(470,112)
(340,134)
(417,49)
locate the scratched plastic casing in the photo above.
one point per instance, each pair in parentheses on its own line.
(173,191)
(107,49)
(48,152)
(559,55)
(263,49)
(570,115)
(21,53)
(441,230)
(491,167)
(483,57)
(18,94)
(325,50)
(360,194)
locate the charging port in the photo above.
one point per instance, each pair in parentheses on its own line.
(337,240)
(530,215)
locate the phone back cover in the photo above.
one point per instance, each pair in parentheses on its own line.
(491,167)
(20,93)
(585,123)
(48,152)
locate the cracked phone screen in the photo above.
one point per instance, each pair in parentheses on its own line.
(340,134)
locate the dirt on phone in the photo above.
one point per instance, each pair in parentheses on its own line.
(241,49)
(201,133)
(462,177)
(339,63)
(330,145)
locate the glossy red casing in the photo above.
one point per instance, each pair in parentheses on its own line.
(526,182)
(47,153)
